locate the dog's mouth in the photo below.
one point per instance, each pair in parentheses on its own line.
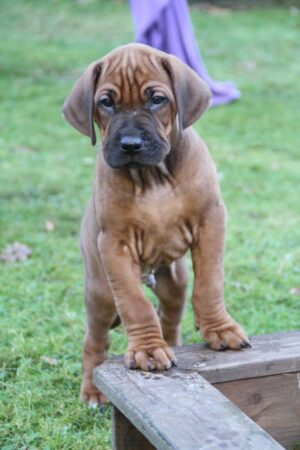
(134,165)
(117,161)
(148,155)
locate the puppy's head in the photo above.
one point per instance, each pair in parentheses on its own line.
(137,96)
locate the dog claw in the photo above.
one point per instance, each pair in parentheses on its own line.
(248,345)
(245,345)
(173,363)
(132,365)
(150,366)
(223,347)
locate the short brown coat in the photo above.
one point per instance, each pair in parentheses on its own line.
(141,221)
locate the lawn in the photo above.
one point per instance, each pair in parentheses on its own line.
(46,175)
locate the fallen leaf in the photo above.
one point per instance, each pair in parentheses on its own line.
(15,252)
(275,166)
(49,225)
(294,11)
(295,291)
(50,361)
(216,10)
(23,149)
(249,66)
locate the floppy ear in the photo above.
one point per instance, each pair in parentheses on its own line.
(78,108)
(192,94)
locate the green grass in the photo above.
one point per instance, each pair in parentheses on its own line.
(47,170)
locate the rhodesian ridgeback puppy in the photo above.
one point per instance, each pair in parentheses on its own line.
(156,195)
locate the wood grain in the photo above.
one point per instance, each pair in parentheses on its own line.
(272,402)
(125,436)
(270,354)
(180,411)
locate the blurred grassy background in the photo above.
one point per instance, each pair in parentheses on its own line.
(47,171)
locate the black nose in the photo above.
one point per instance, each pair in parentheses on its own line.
(131,144)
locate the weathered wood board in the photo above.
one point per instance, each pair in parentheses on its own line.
(125,436)
(272,402)
(270,354)
(180,410)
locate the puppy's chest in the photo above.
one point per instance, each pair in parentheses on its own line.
(162,232)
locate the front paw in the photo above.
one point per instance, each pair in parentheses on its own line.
(159,357)
(224,334)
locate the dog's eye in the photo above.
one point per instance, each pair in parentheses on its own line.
(107,102)
(158,99)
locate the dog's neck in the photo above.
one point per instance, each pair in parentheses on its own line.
(146,178)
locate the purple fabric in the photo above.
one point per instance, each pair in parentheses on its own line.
(166,25)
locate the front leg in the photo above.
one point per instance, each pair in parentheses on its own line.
(146,347)
(215,324)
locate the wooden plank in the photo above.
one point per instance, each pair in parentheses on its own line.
(125,436)
(179,410)
(272,402)
(270,354)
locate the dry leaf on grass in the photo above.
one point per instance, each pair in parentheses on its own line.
(49,225)
(23,149)
(216,10)
(294,10)
(249,66)
(295,291)
(50,361)
(15,252)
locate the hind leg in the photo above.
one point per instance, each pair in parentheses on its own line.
(100,312)
(171,287)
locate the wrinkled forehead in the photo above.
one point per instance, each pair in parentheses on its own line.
(130,72)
